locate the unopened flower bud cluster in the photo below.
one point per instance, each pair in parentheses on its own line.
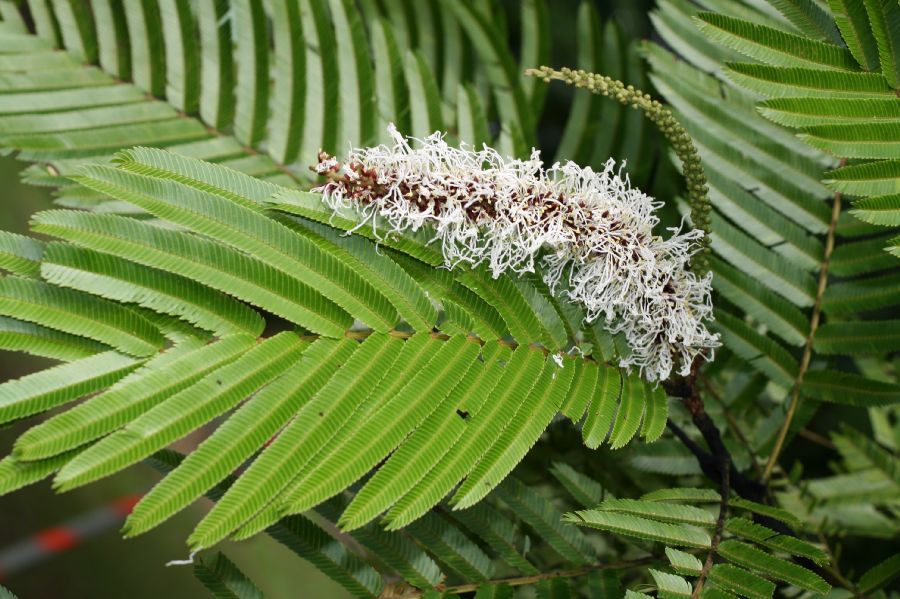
(588,232)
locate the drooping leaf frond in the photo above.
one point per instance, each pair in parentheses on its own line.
(489,403)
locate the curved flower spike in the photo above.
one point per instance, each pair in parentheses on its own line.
(589,231)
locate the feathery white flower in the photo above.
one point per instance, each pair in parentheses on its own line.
(588,230)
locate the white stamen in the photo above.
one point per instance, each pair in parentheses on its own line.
(590,231)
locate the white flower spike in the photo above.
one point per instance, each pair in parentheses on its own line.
(590,231)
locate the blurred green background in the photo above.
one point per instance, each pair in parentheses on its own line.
(107,566)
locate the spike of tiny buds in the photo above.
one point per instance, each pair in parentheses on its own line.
(668,125)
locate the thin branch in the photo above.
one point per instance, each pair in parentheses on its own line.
(816,438)
(712,462)
(734,426)
(532,579)
(718,466)
(701,454)
(404,591)
(808,348)
(725,491)
(834,569)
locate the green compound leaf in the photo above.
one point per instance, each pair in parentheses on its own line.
(773,567)
(772,46)
(641,528)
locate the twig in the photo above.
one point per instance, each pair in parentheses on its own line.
(523,580)
(816,438)
(718,457)
(718,466)
(808,348)
(725,491)
(712,462)
(734,426)
(407,592)
(835,569)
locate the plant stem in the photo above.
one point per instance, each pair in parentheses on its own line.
(406,592)
(711,462)
(834,567)
(734,426)
(724,491)
(808,348)
(816,438)
(532,579)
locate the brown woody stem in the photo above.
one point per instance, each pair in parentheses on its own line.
(724,491)
(808,348)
